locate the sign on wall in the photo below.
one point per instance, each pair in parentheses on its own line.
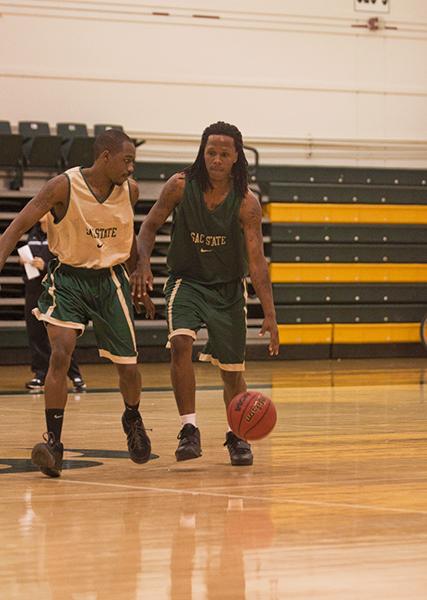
(376,6)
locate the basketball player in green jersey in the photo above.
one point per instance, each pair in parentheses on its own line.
(216,236)
(90,230)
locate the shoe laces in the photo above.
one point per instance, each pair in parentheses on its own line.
(237,443)
(187,434)
(136,429)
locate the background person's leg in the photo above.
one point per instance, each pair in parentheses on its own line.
(75,375)
(38,341)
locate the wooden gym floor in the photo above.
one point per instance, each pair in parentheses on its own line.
(334,507)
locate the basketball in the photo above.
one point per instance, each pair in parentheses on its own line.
(251,415)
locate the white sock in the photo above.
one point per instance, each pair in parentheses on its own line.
(190,418)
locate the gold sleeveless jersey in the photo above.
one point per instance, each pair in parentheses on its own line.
(92,234)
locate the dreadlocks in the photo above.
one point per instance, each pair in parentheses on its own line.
(239,172)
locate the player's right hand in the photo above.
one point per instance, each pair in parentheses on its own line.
(269,324)
(147,303)
(141,281)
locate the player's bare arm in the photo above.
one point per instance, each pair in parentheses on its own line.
(134,197)
(53,194)
(251,219)
(134,191)
(131,263)
(170,197)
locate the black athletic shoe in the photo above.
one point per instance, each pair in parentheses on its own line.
(35,385)
(139,444)
(240,451)
(189,443)
(79,385)
(47,456)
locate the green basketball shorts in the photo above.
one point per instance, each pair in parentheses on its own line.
(222,308)
(72,297)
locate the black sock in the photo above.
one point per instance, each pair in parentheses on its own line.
(131,412)
(54,420)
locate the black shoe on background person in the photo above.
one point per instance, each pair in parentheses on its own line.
(36,384)
(79,385)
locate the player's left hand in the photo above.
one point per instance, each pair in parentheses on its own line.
(141,281)
(269,324)
(147,303)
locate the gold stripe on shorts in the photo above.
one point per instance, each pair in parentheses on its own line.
(124,306)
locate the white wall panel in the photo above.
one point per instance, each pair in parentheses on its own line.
(370,117)
(279,69)
(407,114)
(406,64)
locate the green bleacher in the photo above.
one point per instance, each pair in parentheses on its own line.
(348,259)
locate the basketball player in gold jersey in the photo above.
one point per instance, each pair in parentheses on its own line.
(90,230)
(216,240)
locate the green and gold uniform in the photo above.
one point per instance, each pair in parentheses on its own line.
(207,265)
(88,281)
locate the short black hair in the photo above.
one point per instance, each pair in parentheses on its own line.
(239,172)
(111,140)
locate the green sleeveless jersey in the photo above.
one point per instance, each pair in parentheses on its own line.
(207,246)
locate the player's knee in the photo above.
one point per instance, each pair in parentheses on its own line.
(181,347)
(128,373)
(232,378)
(60,359)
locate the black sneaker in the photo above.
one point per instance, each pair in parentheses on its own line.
(47,456)
(189,443)
(79,385)
(35,385)
(240,451)
(139,444)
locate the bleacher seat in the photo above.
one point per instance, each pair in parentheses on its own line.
(77,145)
(11,153)
(41,149)
(101,127)
(5,128)
(71,130)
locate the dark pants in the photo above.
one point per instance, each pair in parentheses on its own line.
(38,339)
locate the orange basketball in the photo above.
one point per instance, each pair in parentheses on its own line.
(251,415)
